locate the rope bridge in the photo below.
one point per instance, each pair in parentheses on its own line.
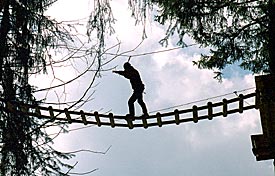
(194,114)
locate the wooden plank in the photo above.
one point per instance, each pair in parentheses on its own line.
(159,121)
(261,148)
(144,122)
(210,110)
(265,86)
(37,111)
(68,115)
(177,116)
(195,114)
(97,118)
(241,103)
(130,123)
(50,109)
(112,121)
(83,117)
(224,109)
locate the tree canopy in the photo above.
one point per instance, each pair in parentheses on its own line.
(236,31)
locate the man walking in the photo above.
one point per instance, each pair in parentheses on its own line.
(132,74)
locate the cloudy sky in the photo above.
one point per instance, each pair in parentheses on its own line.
(220,147)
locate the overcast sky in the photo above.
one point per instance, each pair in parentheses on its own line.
(220,147)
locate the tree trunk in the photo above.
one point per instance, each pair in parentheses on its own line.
(4,28)
(271,42)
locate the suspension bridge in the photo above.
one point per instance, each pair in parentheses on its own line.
(262,99)
(194,114)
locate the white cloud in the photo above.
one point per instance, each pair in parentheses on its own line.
(218,147)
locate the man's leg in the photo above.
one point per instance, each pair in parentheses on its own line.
(142,104)
(131,105)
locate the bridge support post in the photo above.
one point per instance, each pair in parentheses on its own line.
(264,144)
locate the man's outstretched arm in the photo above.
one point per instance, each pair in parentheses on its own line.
(124,73)
(119,72)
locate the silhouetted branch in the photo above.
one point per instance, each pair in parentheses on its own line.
(90,151)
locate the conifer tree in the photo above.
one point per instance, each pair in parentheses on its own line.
(26,36)
(239,31)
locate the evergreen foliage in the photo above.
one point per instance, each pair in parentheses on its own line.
(26,35)
(100,21)
(236,30)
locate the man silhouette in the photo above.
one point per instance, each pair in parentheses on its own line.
(132,74)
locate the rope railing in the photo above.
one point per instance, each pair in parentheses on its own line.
(194,114)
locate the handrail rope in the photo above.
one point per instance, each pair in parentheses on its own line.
(115,121)
(202,100)
(189,103)
(152,52)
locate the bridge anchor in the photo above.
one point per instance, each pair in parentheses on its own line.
(264,144)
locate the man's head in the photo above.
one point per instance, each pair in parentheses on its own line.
(127,66)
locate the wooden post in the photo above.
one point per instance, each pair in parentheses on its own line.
(112,121)
(224,109)
(195,114)
(68,115)
(257,99)
(265,87)
(130,123)
(159,119)
(144,122)
(97,119)
(51,113)
(210,110)
(37,111)
(82,114)
(177,116)
(241,103)
(261,148)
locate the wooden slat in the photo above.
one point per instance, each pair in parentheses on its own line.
(159,119)
(177,116)
(241,103)
(97,118)
(83,117)
(112,121)
(210,110)
(51,113)
(144,122)
(224,109)
(37,111)
(195,114)
(130,123)
(68,115)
